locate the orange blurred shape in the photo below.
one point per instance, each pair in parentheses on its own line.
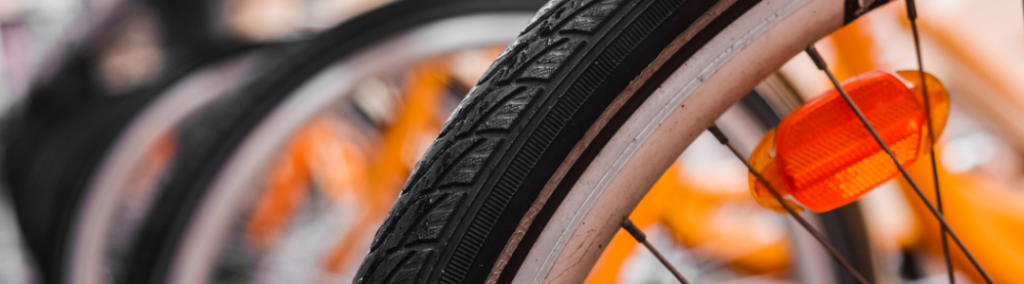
(985,214)
(824,156)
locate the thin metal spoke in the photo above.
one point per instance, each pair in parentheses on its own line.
(820,63)
(800,219)
(642,238)
(912,16)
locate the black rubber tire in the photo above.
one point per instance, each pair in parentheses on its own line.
(492,158)
(207,139)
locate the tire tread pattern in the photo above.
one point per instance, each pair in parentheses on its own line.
(413,236)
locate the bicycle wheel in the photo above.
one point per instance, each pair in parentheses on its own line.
(219,149)
(572,125)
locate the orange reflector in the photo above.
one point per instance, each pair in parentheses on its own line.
(822,155)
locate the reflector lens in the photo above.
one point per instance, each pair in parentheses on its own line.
(937,95)
(761,159)
(825,157)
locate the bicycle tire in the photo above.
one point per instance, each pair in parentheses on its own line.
(456,214)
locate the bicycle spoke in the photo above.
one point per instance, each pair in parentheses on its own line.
(642,238)
(800,219)
(820,63)
(912,16)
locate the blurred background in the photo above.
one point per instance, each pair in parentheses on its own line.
(313,208)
